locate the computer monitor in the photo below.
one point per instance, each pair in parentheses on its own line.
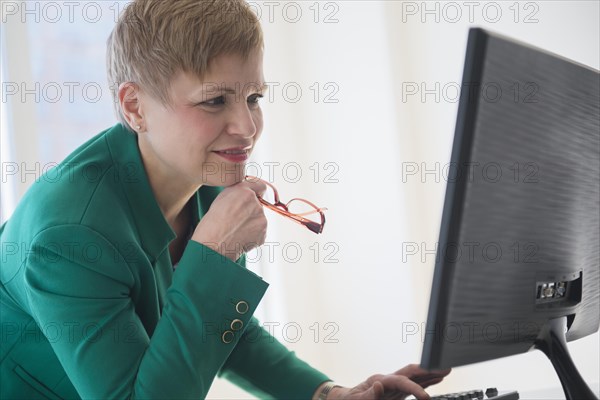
(517,264)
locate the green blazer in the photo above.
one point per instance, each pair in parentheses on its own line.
(92,308)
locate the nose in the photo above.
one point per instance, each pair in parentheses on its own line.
(241,121)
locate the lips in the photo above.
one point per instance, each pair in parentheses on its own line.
(238,154)
(232,151)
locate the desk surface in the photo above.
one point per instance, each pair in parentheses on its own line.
(555,393)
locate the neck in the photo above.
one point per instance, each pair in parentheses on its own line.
(170,191)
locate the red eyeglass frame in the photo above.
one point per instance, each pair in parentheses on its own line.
(282,208)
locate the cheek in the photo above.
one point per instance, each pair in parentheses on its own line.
(195,126)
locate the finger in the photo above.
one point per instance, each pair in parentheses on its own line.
(416,369)
(257,186)
(415,372)
(374,378)
(430,382)
(442,372)
(393,383)
(426,377)
(376,390)
(412,370)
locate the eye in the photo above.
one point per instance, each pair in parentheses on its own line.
(217,101)
(254,99)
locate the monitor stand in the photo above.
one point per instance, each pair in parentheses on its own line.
(552,341)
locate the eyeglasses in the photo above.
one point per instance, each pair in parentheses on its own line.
(302,211)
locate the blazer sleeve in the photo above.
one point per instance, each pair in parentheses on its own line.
(80,291)
(274,372)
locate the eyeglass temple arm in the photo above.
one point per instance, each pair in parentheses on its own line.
(313,226)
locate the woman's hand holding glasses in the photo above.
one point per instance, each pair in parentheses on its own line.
(235,222)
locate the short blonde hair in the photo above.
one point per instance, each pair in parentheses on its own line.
(155,39)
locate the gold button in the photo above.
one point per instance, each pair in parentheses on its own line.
(242,307)
(227,337)
(237,324)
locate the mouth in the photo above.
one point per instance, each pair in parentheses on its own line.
(236,155)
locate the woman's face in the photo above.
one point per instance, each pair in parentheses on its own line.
(207,133)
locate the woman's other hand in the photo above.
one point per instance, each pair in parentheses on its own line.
(410,380)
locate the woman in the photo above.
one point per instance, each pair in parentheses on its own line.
(125,277)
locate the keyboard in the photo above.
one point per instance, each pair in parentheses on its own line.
(489,393)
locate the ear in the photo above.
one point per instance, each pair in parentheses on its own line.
(129,101)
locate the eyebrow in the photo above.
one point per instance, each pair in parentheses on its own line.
(213,88)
